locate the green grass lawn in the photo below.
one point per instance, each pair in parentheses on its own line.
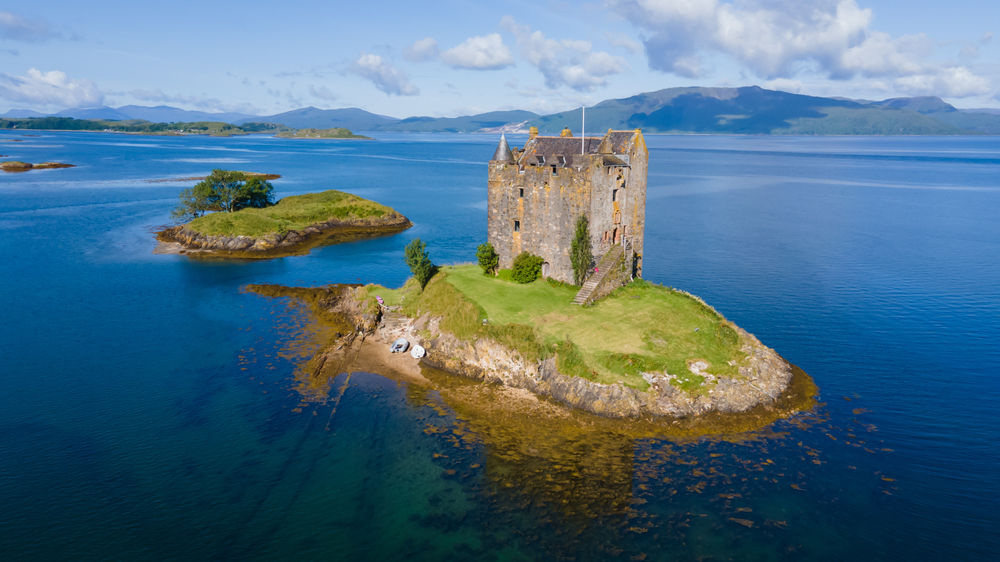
(290,213)
(642,327)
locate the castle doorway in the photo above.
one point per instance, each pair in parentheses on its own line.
(545,269)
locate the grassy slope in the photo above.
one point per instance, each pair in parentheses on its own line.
(291,213)
(981,122)
(642,327)
(869,121)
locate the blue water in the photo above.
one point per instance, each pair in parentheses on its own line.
(148,408)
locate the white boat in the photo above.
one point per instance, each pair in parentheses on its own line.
(399,346)
(417,352)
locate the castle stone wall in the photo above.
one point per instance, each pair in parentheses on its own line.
(534,207)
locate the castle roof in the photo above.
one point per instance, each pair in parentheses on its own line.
(618,141)
(551,149)
(566,151)
(503,153)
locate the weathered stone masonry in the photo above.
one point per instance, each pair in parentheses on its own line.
(537,193)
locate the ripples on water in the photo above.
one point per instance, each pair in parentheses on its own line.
(151,410)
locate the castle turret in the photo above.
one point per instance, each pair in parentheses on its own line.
(503,153)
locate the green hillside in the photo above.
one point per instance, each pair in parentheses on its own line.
(214,128)
(868,121)
(750,110)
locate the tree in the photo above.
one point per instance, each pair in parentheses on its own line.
(419,261)
(224,190)
(489,260)
(580,252)
(256,194)
(526,267)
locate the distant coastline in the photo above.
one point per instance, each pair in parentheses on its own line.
(691,110)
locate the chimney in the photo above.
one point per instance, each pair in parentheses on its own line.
(532,132)
(566,132)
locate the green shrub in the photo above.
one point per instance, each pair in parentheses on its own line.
(419,261)
(527,267)
(580,252)
(506,275)
(489,260)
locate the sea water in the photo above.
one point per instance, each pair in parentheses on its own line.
(149,409)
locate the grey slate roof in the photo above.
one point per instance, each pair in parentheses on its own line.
(503,153)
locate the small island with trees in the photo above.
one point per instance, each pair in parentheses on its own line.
(229,214)
(335,133)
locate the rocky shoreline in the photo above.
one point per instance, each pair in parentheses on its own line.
(767,383)
(183,240)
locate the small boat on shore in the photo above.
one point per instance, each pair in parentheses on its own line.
(399,346)
(417,352)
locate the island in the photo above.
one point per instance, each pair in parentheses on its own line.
(335,133)
(556,313)
(293,225)
(674,366)
(16,166)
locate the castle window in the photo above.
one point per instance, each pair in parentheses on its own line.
(517,226)
(562,160)
(541,160)
(554,172)
(521,192)
(614,194)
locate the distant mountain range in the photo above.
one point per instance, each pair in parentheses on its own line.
(749,110)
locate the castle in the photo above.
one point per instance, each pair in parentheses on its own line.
(537,193)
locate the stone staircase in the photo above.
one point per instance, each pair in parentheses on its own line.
(602,270)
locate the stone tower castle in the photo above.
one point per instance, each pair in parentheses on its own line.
(537,193)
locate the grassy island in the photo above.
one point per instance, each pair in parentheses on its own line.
(336,133)
(296,212)
(292,226)
(641,327)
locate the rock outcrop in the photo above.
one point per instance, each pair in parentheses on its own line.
(762,380)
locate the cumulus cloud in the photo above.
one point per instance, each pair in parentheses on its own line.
(565,63)
(50,88)
(480,53)
(19,28)
(623,41)
(422,50)
(386,77)
(322,93)
(778,38)
(209,104)
(784,85)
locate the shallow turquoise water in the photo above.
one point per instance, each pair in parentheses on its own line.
(147,410)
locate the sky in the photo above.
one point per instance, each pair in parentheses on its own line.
(446,58)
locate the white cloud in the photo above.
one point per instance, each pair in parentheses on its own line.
(779,38)
(957,82)
(422,50)
(386,77)
(480,53)
(623,41)
(784,85)
(208,104)
(322,93)
(50,88)
(19,28)
(565,63)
